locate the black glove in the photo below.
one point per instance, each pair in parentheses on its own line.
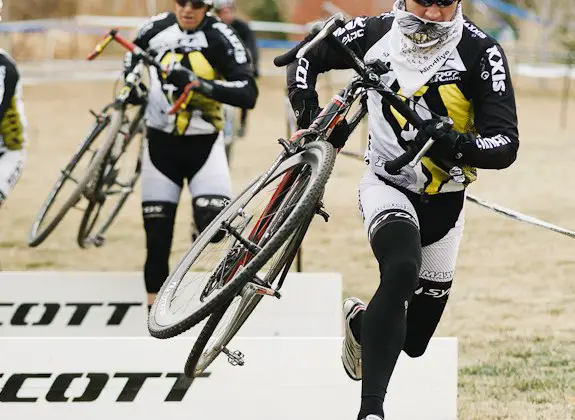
(310,110)
(448,142)
(138,95)
(181,77)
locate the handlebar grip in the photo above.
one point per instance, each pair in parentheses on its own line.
(288,57)
(178,104)
(393,167)
(98,49)
(319,28)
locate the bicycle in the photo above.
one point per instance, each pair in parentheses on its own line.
(253,265)
(102,176)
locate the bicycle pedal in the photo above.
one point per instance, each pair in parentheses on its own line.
(266,291)
(235,358)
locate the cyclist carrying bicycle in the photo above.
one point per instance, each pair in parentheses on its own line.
(188,145)
(226,11)
(13,124)
(414,220)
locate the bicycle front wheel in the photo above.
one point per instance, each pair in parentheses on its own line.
(251,228)
(120,172)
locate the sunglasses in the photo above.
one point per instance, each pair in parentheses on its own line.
(440,3)
(195,4)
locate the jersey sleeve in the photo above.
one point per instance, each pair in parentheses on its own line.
(358,34)
(230,58)
(144,34)
(9,78)
(249,39)
(493,98)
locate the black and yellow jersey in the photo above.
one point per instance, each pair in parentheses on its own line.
(12,117)
(473,87)
(213,52)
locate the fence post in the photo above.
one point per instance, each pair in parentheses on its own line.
(567,90)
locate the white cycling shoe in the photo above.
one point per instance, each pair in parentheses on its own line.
(351,349)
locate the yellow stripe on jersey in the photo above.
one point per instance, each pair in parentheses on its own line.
(201,66)
(211,109)
(11,127)
(400,118)
(438,176)
(458,107)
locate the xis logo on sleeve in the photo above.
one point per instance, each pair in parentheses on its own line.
(498,73)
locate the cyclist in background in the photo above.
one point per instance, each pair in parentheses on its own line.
(226,11)
(13,124)
(414,220)
(188,146)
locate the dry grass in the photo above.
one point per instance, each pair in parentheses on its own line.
(513,303)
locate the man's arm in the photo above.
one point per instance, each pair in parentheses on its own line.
(249,39)
(9,78)
(358,34)
(493,100)
(144,34)
(229,56)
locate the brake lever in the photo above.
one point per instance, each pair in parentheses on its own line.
(446,121)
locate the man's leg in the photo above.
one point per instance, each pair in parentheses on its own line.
(393,232)
(161,187)
(432,293)
(210,184)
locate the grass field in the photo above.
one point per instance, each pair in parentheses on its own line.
(513,302)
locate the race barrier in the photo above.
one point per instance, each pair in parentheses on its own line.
(112,304)
(282,379)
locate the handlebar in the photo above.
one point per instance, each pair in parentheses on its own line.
(318,31)
(148,59)
(370,73)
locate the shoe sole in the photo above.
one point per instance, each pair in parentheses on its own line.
(349,375)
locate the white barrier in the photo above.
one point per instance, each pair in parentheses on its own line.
(89,304)
(283,379)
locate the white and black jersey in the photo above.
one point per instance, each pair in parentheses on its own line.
(13,122)
(473,88)
(214,53)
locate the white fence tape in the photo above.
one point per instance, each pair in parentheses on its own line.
(283,379)
(88,304)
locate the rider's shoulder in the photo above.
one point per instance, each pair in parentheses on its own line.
(7,61)
(241,24)
(475,45)
(219,33)
(473,34)
(382,22)
(156,23)
(369,23)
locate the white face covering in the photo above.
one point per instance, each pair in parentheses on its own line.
(420,47)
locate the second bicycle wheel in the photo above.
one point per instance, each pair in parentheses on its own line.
(251,229)
(225,323)
(120,172)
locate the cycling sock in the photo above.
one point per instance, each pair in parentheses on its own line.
(396,244)
(159,220)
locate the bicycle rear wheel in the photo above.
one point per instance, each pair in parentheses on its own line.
(225,323)
(45,223)
(120,172)
(256,224)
